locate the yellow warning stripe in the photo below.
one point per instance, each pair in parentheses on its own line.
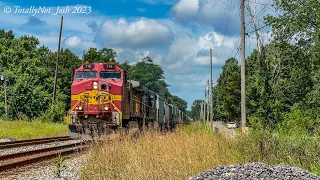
(92,97)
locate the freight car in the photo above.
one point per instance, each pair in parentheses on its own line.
(104,99)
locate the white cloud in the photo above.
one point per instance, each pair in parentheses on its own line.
(216,13)
(141,33)
(193,51)
(181,50)
(186,8)
(158,59)
(78,44)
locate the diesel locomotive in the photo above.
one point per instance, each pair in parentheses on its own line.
(104,99)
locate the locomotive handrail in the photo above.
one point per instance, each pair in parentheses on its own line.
(69,112)
(142,103)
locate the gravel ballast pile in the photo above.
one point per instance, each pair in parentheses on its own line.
(255,171)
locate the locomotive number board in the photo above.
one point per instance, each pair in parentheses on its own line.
(87,66)
(109,66)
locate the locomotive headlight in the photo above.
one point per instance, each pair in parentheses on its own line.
(80,108)
(106,108)
(95,85)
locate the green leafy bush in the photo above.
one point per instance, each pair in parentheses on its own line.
(55,113)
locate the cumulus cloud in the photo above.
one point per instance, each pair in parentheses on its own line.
(215,13)
(223,15)
(181,50)
(77,43)
(196,51)
(186,8)
(141,33)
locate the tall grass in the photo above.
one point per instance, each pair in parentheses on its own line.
(160,156)
(190,150)
(28,130)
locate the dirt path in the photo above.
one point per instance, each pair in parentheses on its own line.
(220,127)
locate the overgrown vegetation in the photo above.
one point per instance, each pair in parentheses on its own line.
(29,130)
(189,151)
(159,156)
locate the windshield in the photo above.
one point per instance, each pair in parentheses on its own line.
(110,75)
(86,74)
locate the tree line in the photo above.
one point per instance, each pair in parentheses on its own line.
(30,75)
(282,79)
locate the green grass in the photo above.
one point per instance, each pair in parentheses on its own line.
(29,130)
(295,150)
(238,130)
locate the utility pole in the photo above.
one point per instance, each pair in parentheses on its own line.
(243,85)
(201,110)
(208,101)
(4,78)
(56,71)
(211,99)
(84,53)
(205,105)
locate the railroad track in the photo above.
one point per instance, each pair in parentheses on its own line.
(14,144)
(12,161)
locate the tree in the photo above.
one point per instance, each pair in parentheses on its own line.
(151,76)
(227,92)
(103,55)
(178,102)
(196,109)
(299,21)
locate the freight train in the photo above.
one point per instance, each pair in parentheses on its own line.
(104,99)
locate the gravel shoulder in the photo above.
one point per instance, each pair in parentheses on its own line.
(72,172)
(220,127)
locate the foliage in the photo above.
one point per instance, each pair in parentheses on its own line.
(103,55)
(59,165)
(55,113)
(178,102)
(196,109)
(227,92)
(298,20)
(270,148)
(151,76)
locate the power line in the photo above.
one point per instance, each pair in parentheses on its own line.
(226,27)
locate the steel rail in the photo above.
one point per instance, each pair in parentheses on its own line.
(37,151)
(42,157)
(21,143)
(29,140)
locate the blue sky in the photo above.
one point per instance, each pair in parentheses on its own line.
(176,34)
